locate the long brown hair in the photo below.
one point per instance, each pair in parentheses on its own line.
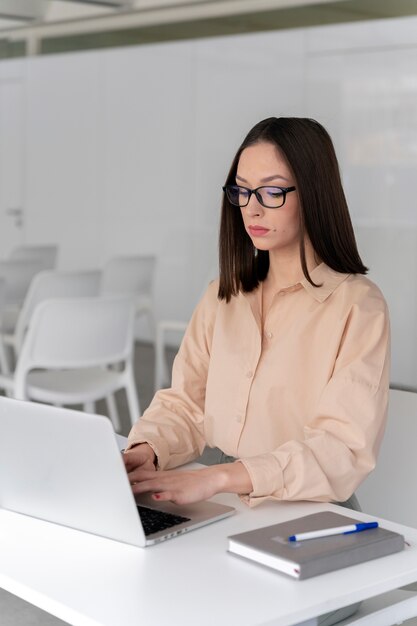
(324,214)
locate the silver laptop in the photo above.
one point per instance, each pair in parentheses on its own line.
(65,467)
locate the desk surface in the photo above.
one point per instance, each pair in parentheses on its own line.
(191,579)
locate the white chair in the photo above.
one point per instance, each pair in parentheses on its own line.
(389,493)
(3,357)
(135,276)
(46,254)
(45,285)
(2,294)
(68,352)
(164,329)
(132,275)
(17,276)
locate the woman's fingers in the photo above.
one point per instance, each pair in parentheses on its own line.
(182,487)
(141,474)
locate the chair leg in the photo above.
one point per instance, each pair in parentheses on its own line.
(4,361)
(152,323)
(132,399)
(161,370)
(113,412)
(152,327)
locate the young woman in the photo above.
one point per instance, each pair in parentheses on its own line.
(285,363)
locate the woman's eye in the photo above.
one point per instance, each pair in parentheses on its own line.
(274,192)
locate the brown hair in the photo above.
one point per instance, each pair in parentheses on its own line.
(324,214)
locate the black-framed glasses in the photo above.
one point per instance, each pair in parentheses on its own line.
(269,197)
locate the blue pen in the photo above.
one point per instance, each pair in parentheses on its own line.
(339,530)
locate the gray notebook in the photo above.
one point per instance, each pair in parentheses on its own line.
(304,559)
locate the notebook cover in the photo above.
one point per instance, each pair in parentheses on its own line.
(304,559)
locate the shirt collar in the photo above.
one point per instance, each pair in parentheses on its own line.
(322,275)
(327,279)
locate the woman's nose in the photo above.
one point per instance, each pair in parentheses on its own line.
(254,207)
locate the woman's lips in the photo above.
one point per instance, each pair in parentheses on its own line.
(258,231)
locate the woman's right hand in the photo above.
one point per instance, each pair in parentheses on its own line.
(138,458)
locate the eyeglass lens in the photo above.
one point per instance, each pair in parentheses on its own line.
(270,197)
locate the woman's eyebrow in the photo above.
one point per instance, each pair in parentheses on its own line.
(264,180)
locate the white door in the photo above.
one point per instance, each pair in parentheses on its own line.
(11,165)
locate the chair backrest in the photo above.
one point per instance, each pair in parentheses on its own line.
(129,275)
(46,254)
(18,275)
(69,333)
(2,295)
(52,284)
(389,491)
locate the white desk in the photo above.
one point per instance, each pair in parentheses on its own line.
(190,580)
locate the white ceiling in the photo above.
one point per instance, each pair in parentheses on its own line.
(56,10)
(41,12)
(43,18)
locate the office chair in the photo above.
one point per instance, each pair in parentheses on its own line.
(46,254)
(68,352)
(132,275)
(45,285)
(166,327)
(388,492)
(17,276)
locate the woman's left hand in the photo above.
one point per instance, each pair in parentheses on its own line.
(188,486)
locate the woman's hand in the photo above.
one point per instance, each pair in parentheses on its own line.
(137,459)
(188,486)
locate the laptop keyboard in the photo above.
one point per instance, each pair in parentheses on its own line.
(154,521)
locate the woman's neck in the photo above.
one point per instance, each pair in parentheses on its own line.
(285,269)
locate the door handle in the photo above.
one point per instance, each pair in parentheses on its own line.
(14,211)
(17,213)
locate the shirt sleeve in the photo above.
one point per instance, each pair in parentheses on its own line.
(173,425)
(341,441)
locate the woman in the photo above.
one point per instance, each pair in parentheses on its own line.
(285,363)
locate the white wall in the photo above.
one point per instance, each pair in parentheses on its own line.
(12,153)
(362,84)
(127,149)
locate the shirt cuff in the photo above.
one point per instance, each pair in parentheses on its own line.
(266,475)
(161,451)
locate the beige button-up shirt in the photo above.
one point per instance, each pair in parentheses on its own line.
(301,401)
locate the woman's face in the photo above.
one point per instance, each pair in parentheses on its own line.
(270,229)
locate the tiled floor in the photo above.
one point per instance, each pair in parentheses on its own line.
(16,612)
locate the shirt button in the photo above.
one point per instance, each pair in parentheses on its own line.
(238,418)
(269,334)
(249,374)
